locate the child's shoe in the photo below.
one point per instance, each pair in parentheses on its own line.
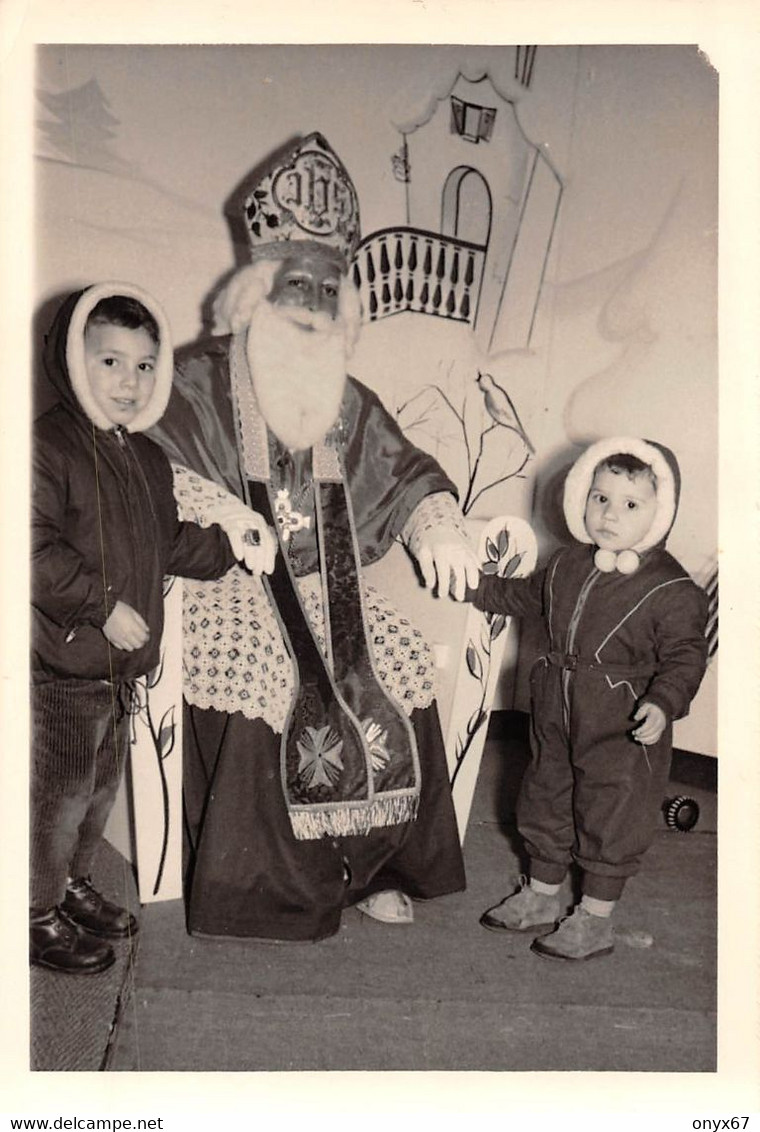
(87,908)
(579,936)
(56,943)
(526,910)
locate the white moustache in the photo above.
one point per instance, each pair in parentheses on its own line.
(319,321)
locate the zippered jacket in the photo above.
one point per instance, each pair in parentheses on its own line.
(646,628)
(104,518)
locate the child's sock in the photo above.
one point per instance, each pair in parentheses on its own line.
(543,888)
(596,907)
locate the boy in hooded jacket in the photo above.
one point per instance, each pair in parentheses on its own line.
(105,532)
(626,655)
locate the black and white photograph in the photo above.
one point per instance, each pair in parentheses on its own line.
(382,643)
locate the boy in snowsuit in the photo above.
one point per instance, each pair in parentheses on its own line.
(626,655)
(105,532)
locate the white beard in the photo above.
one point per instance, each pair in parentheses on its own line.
(298,375)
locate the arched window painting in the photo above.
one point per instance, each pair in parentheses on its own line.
(466,206)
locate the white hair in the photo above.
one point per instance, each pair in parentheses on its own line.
(236,302)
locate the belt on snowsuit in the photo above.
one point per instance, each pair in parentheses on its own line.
(572,662)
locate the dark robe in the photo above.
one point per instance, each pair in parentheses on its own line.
(247,874)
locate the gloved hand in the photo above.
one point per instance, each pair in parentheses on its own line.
(652,721)
(446,558)
(252,540)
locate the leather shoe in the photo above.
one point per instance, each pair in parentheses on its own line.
(87,908)
(56,943)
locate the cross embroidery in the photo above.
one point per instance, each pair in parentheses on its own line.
(288,520)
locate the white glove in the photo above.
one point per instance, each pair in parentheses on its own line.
(253,542)
(445,556)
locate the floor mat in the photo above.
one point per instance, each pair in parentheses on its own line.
(73,1018)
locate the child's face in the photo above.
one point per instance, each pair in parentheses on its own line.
(120,367)
(619,510)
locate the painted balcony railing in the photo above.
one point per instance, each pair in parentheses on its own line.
(406,269)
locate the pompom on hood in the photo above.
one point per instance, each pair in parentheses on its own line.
(64,356)
(664,466)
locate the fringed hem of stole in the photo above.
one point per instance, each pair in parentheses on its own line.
(347,819)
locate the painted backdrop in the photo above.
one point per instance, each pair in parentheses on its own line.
(538,265)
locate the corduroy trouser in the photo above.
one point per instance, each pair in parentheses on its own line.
(79,743)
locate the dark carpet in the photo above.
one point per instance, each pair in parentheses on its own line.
(443,993)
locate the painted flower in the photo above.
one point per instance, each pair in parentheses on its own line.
(320,763)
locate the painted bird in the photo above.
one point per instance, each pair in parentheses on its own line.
(500,408)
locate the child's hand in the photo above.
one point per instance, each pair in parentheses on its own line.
(125,628)
(652,721)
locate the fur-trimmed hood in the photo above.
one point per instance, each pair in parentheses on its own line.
(662,462)
(64,356)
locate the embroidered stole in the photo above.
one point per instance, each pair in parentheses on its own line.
(349,760)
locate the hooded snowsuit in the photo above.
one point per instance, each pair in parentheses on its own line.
(592,792)
(104,529)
